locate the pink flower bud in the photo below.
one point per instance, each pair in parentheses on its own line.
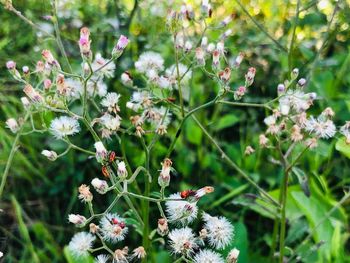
(200,56)
(47,84)
(11,65)
(239,59)
(216,58)
(123,41)
(25,69)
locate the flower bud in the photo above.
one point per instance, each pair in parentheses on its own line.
(204,42)
(11,65)
(32,93)
(77,220)
(216,58)
(51,155)
(225,75)
(220,46)
(25,102)
(25,70)
(239,59)
(164,176)
(84,43)
(200,56)
(249,76)
(301,82)
(249,150)
(162,228)
(263,140)
(188,46)
(126,79)
(120,46)
(122,172)
(203,191)
(281,88)
(100,186)
(227,20)
(226,34)
(294,74)
(93,228)
(232,257)
(239,93)
(12,124)
(47,84)
(101,152)
(211,48)
(49,58)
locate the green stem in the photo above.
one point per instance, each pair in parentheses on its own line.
(234,165)
(291,47)
(145,203)
(11,155)
(178,77)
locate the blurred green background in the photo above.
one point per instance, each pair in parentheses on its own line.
(40,194)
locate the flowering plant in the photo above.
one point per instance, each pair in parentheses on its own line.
(159,97)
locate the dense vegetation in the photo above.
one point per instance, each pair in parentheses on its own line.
(37,195)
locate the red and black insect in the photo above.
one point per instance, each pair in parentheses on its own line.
(187,193)
(111,157)
(105,171)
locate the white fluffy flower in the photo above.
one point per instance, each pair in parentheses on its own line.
(110,122)
(181,211)
(296,100)
(12,125)
(81,243)
(64,126)
(182,241)
(270,120)
(220,231)
(110,101)
(184,73)
(107,71)
(102,258)
(75,88)
(149,61)
(96,87)
(321,127)
(113,228)
(208,256)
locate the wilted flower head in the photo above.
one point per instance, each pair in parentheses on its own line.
(113,228)
(78,220)
(249,76)
(181,211)
(64,126)
(110,101)
(220,231)
(139,253)
(32,93)
(182,241)
(263,140)
(120,255)
(12,124)
(81,243)
(249,150)
(84,193)
(25,102)
(101,152)
(296,135)
(208,256)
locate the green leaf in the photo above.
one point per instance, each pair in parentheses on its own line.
(225,122)
(343,147)
(193,132)
(71,259)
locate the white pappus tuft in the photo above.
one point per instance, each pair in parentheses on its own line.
(113,228)
(64,126)
(182,241)
(181,211)
(208,256)
(81,243)
(220,231)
